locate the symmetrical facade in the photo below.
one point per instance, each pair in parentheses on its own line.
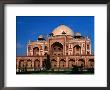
(64,47)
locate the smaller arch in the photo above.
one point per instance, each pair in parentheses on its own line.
(21,63)
(77,50)
(29,48)
(81,63)
(53,63)
(43,62)
(45,48)
(36,48)
(91,63)
(35,51)
(36,64)
(29,63)
(62,63)
(71,63)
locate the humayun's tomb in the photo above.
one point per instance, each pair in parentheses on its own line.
(64,47)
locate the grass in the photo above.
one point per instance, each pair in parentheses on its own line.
(56,72)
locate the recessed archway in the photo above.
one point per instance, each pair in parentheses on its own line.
(29,63)
(57,49)
(35,51)
(53,63)
(71,63)
(77,50)
(81,62)
(36,64)
(21,63)
(45,48)
(91,63)
(62,63)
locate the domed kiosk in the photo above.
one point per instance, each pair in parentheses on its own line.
(63,29)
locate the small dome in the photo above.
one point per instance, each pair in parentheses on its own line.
(62,28)
(78,34)
(40,36)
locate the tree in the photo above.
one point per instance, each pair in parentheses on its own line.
(75,69)
(47,62)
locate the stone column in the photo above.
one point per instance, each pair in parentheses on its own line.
(86,62)
(63,49)
(67,62)
(31,52)
(58,60)
(76,61)
(41,61)
(81,50)
(33,64)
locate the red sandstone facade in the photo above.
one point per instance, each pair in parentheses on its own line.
(65,48)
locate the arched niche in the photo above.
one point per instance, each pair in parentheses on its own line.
(53,63)
(35,51)
(71,63)
(62,63)
(81,63)
(36,64)
(77,50)
(57,49)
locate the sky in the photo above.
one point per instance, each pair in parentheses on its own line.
(30,27)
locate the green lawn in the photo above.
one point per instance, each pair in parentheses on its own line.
(57,72)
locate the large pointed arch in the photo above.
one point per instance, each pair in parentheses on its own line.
(57,48)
